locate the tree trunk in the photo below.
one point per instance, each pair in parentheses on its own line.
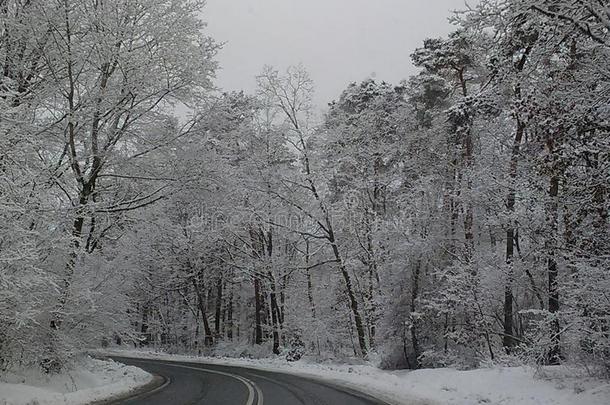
(554,355)
(352,300)
(218,312)
(414,296)
(258,328)
(508,340)
(230,315)
(208,339)
(144,326)
(275,320)
(312,303)
(465,132)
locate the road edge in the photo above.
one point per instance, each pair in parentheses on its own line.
(157,383)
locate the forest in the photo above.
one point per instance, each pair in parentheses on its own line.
(457,217)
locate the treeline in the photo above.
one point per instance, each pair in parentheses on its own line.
(459,216)
(87,94)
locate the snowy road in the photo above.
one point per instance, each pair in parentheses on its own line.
(195,383)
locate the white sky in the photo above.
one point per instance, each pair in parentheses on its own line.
(338,41)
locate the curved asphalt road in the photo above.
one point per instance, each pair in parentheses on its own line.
(204,384)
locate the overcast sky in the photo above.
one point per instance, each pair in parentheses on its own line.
(338,41)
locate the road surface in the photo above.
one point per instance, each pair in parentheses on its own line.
(205,384)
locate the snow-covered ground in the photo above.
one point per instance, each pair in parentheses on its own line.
(89,380)
(491,386)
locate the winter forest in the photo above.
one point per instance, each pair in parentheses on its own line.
(455,218)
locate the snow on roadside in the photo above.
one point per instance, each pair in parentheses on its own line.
(489,386)
(89,380)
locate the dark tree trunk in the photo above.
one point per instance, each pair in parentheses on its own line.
(258,328)
(218,312)
(144,327)
(77,231)
(230,314)
(312,303)
(414,296)
(508,338)
(464,131)
(201,303)
(554,356)
(353,302)
(275,321)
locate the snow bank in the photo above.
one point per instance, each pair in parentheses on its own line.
(506,386)
(89,380)
(491,386)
